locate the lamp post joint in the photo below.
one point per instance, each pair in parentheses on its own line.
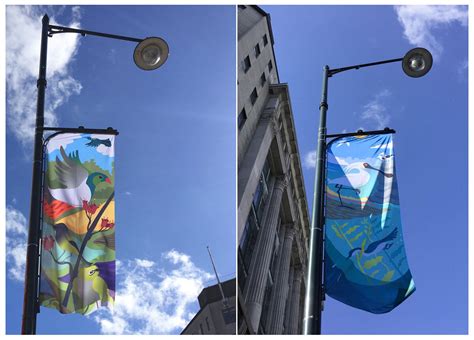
(41,82)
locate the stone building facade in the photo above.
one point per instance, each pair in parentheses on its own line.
(215,316)
(273,221)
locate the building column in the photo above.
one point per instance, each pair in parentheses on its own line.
(259,266)
(280,290)
(289,298)
(295,303)
(275,274)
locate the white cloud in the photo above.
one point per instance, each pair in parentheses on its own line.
(420,22)
(16,243)
(151,300)
(144,263)
(376,110)
(23,25)
(63,140)
(310,159)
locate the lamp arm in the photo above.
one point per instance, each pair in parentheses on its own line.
(53,29)
(356,67)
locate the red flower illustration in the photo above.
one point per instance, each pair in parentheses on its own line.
(106,224)
(89,208)
(48,243)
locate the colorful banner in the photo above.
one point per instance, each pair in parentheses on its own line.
(78,236)
(365,262)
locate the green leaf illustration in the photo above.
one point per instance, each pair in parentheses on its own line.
(338,234)
(355,238)
(372,263)
(362,247)
(351,230)
(388,276)
(375,272)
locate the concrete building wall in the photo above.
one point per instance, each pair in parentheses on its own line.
(210,320)
(251,79)
(216,316)
(273,221)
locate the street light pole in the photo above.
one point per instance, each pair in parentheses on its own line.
(30,303)
(314,293)
(416,63)
(150,54)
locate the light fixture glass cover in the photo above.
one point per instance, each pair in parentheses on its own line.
(151,53)
(417,62)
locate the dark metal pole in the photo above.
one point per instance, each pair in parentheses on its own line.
(30,303)
(54,29)
(314,291)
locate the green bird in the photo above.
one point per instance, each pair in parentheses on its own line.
(89,287)
(68,240)
(77,184)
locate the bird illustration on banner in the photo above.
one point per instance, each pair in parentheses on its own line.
(95,142)
(365,258)
(78,241)
(78,184)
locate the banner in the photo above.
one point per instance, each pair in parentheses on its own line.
(365,262)
(78,229)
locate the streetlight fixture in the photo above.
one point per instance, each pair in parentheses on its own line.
(150,54)
(416,63)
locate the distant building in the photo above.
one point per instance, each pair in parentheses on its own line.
(273,221)
(215,316)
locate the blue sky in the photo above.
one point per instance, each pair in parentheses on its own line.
(175,154)
(430,117)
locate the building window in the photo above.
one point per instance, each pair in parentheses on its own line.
(242,118)
(248,239)
(263,79)
(252,226)
(260,195)
(265,40)
(207,323)
(266,170)
(270,66)
(253,96)
(200,328)
(246,64)
(257,50)
(229,315)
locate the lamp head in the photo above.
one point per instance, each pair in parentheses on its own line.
(151,53)
(417,62)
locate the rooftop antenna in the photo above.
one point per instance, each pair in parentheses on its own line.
(224,299)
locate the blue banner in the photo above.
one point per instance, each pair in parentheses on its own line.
(365,261)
